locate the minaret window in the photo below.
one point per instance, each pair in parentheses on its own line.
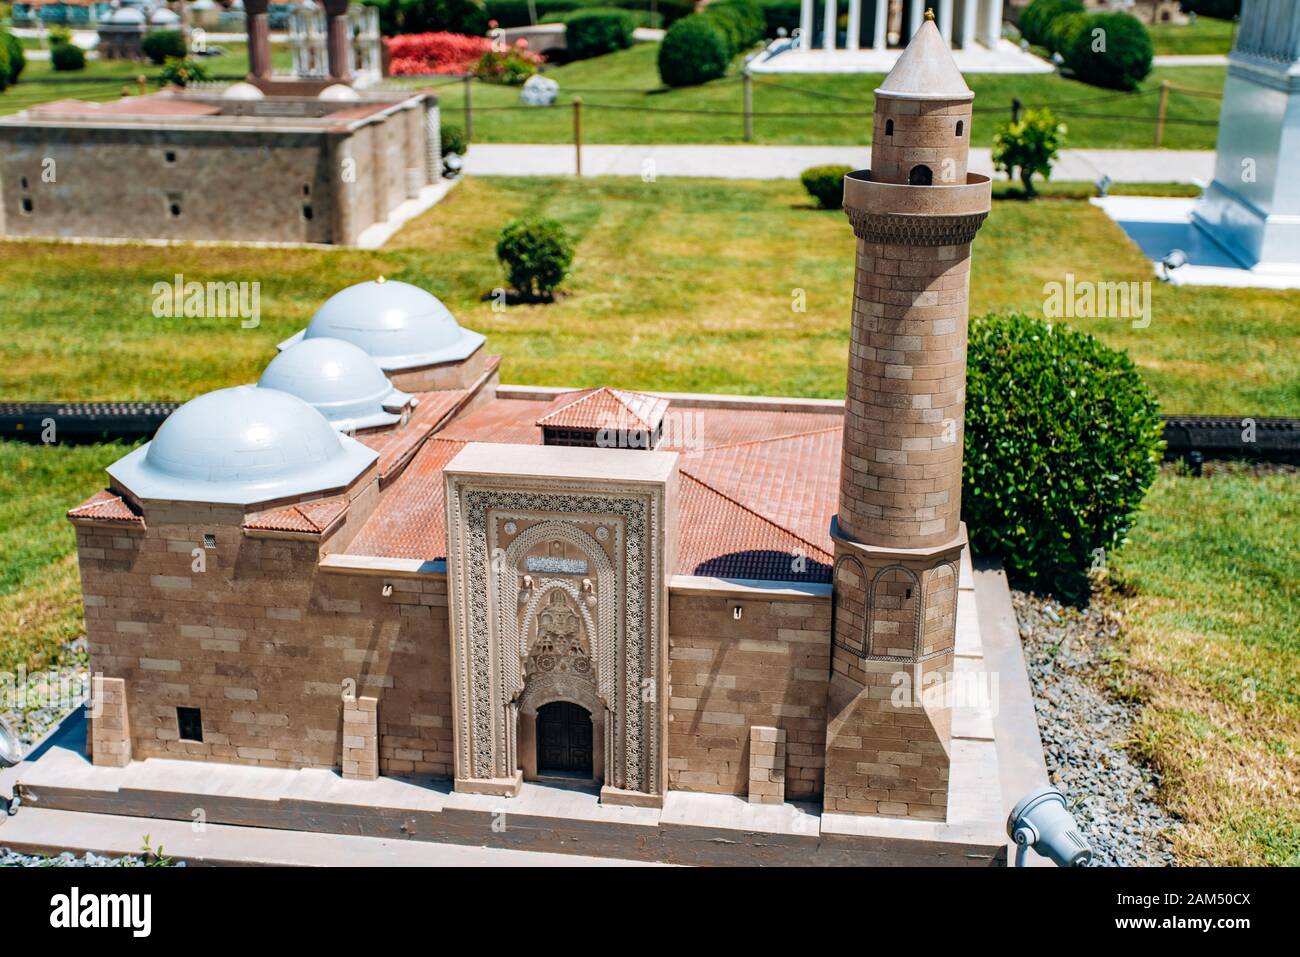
(920,176)
(961,125)
(889,127)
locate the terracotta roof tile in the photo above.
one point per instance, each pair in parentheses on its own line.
(409,521)
(605,408)
(690,429)
(502,420)
(311,517)
(104,506)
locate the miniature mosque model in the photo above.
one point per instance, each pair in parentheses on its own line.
(380,562)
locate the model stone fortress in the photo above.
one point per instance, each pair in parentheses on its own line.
(380,561)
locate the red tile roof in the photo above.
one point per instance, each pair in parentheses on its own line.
(104,506)
(605,408)
(757,494)
(311,517)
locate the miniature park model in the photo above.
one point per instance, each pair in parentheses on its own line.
(379,561)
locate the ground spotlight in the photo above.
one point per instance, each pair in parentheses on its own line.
(1041,821)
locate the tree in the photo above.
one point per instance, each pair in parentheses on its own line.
(1030,146)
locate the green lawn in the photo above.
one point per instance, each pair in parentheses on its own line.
(1206,35)
(106,79)
(1213,573)
(819,109)
(82,326)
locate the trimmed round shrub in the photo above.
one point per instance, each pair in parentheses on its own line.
(1063,438)
(597,31)
(1064,30)
(453,139)
(693,51)
(1036,19)
(17,59)
(67,58)
(162,44)
(536,254)
(825,184)
(749,15)
(4,66)
(1111,49)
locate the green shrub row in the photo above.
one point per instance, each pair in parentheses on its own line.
(597,31)
(469,17)
(12,59)
(515,13)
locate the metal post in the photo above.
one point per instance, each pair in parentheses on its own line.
(749,106)
(1160,114)
(1016,107)
(577,135)
(469,110)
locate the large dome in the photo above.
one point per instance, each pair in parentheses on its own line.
(401,326)
(242,446)
(339,381)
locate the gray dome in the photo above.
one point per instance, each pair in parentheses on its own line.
(401,326)
(125,15)
(242,91)
(242,446)
(163,16)
(338,93)
(339,381)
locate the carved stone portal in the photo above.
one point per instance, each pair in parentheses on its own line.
(560,593)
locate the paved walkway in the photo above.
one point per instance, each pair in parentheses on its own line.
(787,162)
(1190,59)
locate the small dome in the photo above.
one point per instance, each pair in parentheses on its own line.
(339,381)
(125,16)
(164,17)
(399,325)
(242,91)
(242,446)
(203,5)
(338,92)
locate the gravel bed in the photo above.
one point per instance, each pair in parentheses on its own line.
(40,710)
(9,858)
(1084,728)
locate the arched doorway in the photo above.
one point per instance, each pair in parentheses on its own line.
(564,740)
(920,176)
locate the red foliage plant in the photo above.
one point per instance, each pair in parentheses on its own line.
(422,54)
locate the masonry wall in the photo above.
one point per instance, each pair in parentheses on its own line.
(264,642)
(769,668)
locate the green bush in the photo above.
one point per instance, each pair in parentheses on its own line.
(1063,439)
(17,59)
(162,44)
(181,72)
(1064,30)
(1036,19)
(67,58)
(693,51)
(430,16)
(1030,146)
(515,13)
(1111,49)
(597,31)
(536,254)
(825,184)
(4,66)
(748,16)
(780,13)
(453,139)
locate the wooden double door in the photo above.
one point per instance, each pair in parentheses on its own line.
(564,739)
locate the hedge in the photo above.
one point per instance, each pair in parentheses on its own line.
(67,58)
(160,45)
(825,184)
(1063,438)
(597,31)
(16,58)
(1126,58)
(1036,19)
(694,50)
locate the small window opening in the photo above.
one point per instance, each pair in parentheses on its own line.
(909,593)
(170,156)
(961,125)
(209,540)
(889,127)
(23,182)
(306,211)
(306,189)
(920,176)
(27,204)
(189,722)
(174,209)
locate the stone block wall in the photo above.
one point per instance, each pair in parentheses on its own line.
(264,643)
(109,730)
(767,669)
(766,765)
(910,132)
(360,738)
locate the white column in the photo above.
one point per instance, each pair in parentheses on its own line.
(805,24)
(880,32)
(828,24)
(914,15)
(992,23)
(945,21)
(855,24)
(969,9)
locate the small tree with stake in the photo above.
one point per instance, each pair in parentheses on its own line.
(1029,145)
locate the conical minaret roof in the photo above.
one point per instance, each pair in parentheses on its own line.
(926,70)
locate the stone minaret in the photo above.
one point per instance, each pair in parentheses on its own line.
(898,535)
